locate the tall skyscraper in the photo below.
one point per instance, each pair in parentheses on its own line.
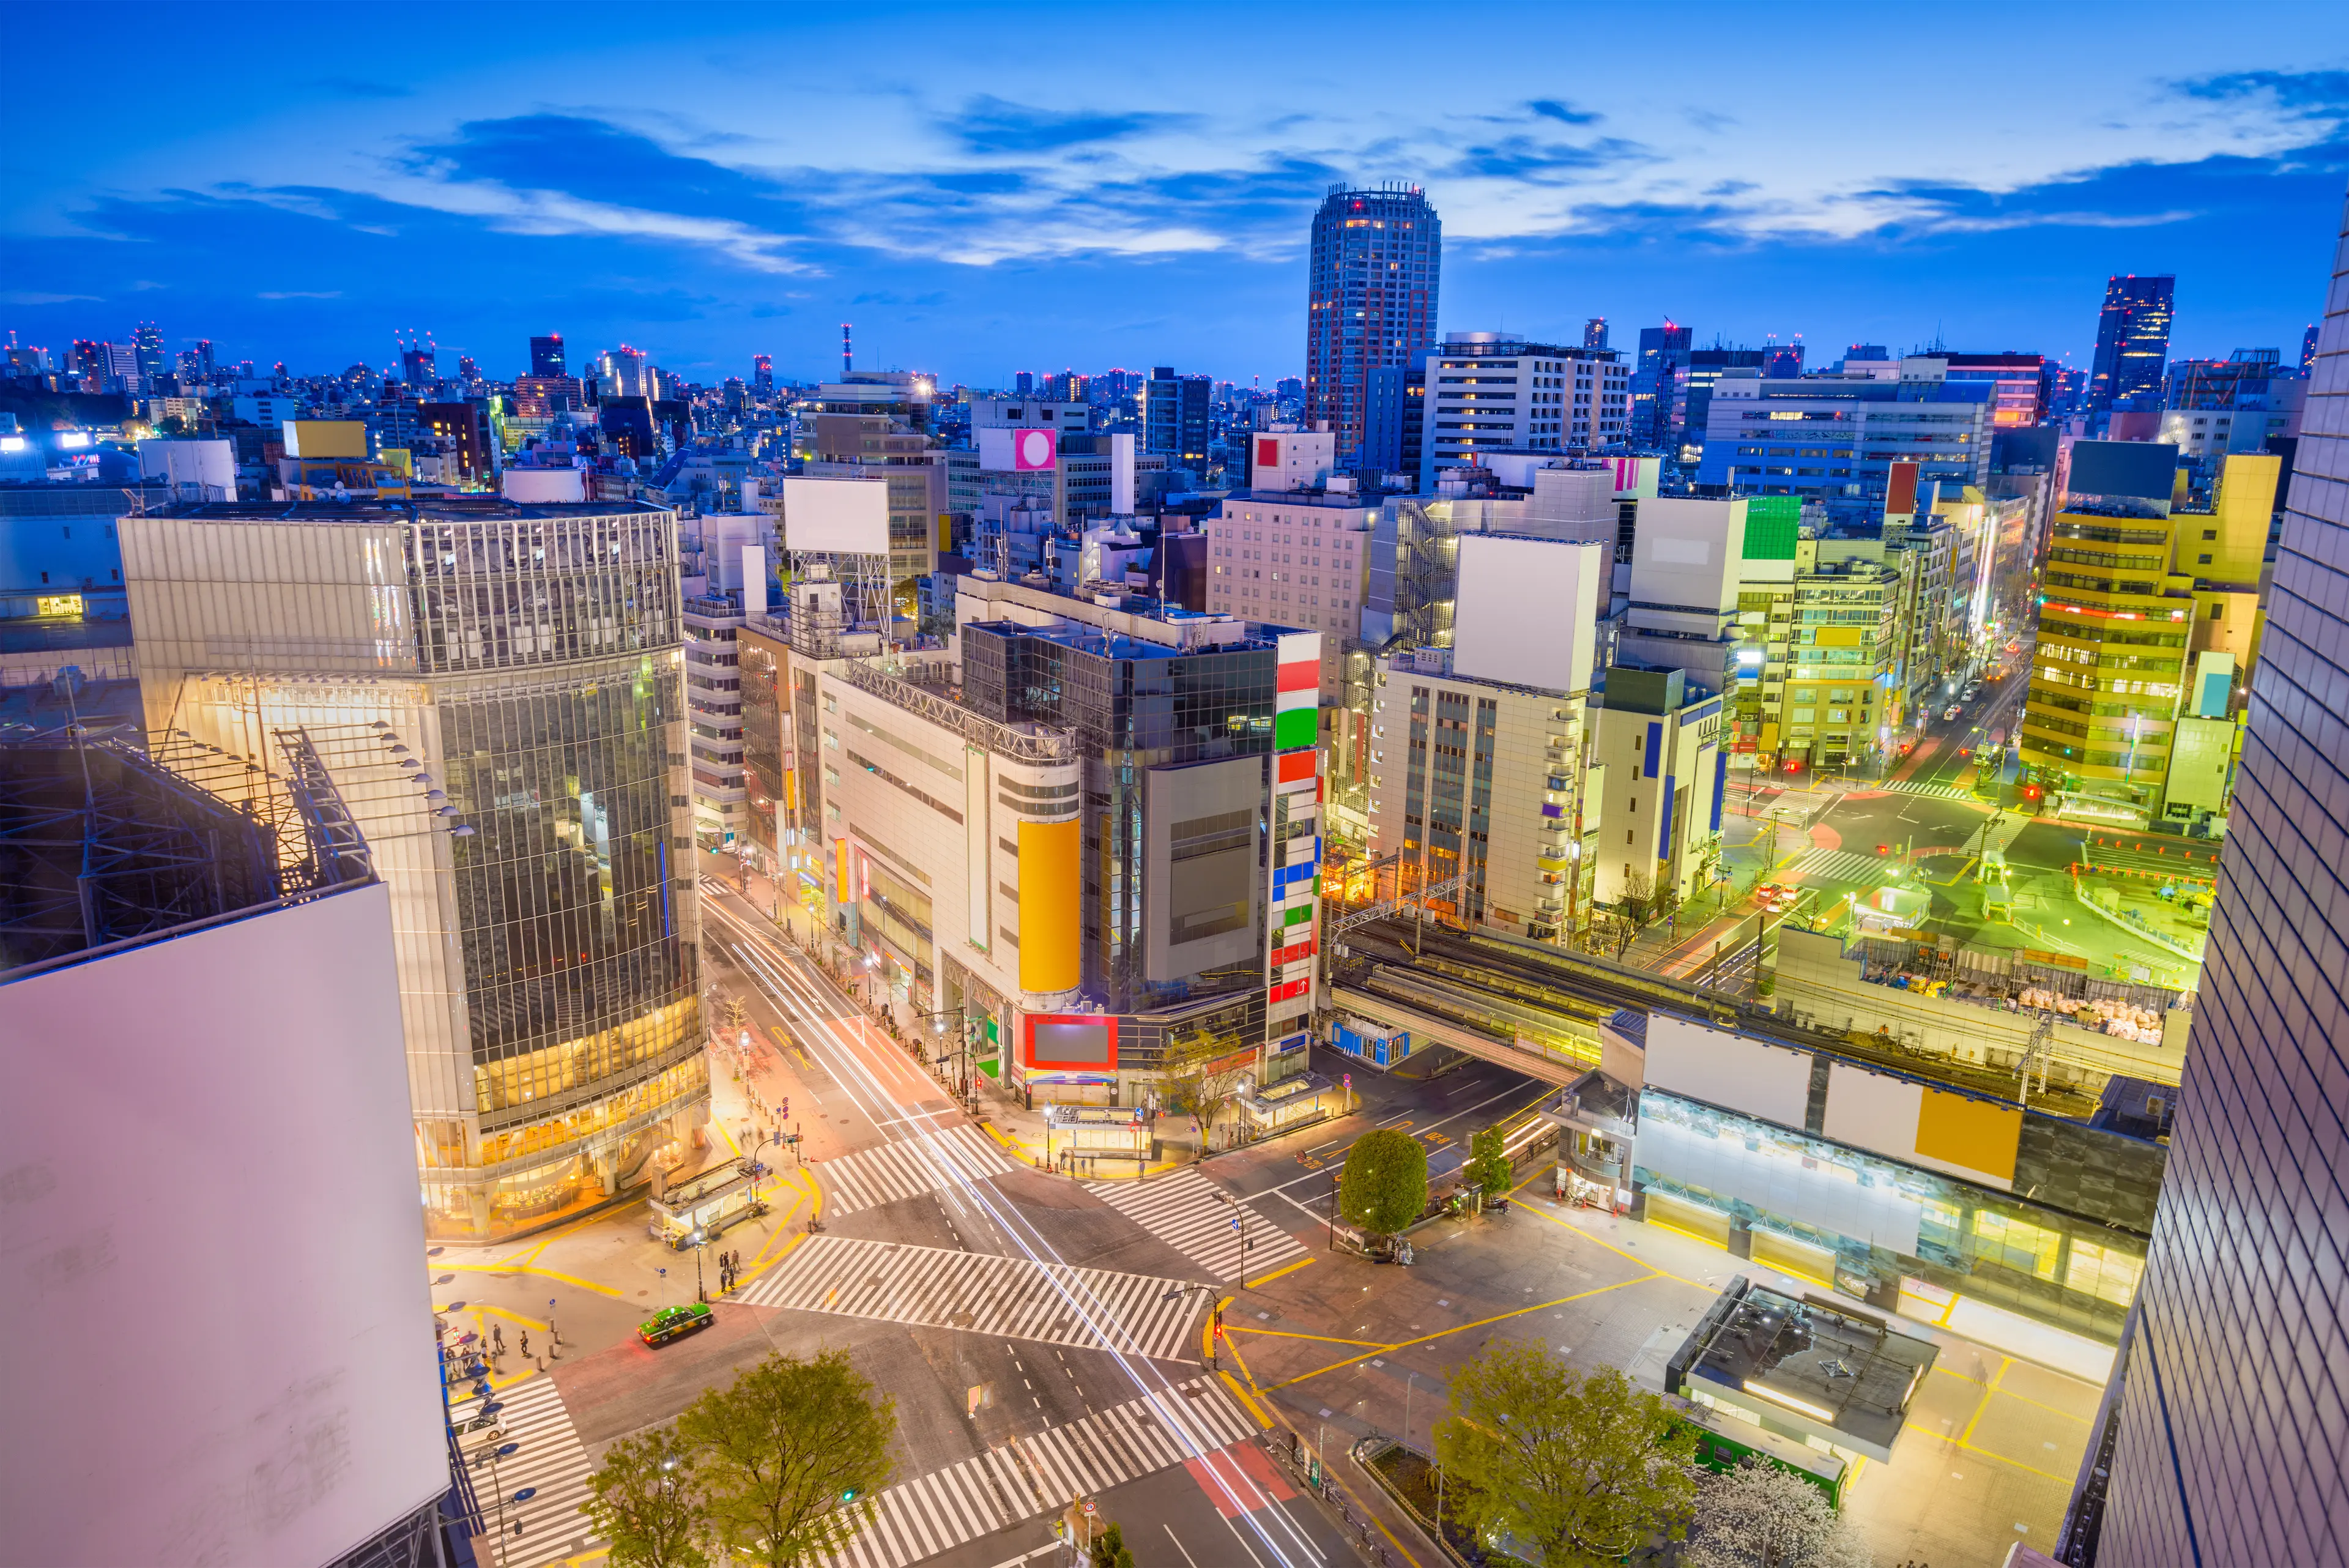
(147,346)
(2230,1408)
(546,356)
(2132,340)
(2308,349)
(1370,295)
(762,372)
(1594,333)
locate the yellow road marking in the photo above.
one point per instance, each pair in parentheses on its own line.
(1253,1407)
(1992,1454)
(542,1274)
(1989,1392)
(1462,1328)
(1278,1273)
(1281,1333)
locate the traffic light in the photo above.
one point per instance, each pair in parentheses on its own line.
(785,1108)
(2031,791)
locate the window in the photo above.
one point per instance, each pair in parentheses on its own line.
(2016,1244)
(2103,1272)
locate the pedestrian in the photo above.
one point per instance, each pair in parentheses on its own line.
(526,1341)
(498,1336)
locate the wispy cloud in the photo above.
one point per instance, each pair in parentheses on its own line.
(300,294)
(990,125)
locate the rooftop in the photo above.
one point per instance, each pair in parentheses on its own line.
(1846,1375)
(437,509)
(102,846)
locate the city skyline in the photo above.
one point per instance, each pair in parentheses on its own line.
(973,234)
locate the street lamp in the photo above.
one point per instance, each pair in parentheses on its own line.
(1215,1330)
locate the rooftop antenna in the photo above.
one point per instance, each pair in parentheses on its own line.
(847,359)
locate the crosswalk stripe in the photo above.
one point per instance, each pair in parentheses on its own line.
(908,1168)
(1194,1216)
(549,1457)
(1833,866)
(1009,1298)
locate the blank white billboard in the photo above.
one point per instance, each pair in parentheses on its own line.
(1732,1071)
(216,1338)
(1526,613)
(847,515)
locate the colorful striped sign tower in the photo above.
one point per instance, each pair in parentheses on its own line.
(1296,901)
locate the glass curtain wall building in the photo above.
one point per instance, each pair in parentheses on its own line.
(2229,1411)
(2132,340)
(496,688)
(1369,302)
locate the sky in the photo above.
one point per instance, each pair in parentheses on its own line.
(988,190)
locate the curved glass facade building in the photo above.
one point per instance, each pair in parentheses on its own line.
(497,689)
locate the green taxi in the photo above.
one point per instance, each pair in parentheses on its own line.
(675,1322)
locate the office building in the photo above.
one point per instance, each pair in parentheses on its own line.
(2132,340)
(2243,403)
(2025,383)
(1488,391)
(1594,333)
(215,987)
(1174,419)
(1372,281)
(1029,414)
(1477,765)
(1657,737)
(1685,571)
(1703,368)
(1782,362)
(2226,1415)
(763,374)
(1655,385)
(763,665)
(2114,626)
(1296,557)
(726,584)
(546,356)
(521,662)
(1090,875)
(1835,437)
(887,447)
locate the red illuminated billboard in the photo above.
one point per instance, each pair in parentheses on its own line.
(1054,1042)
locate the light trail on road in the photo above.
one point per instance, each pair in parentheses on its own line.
(796,992)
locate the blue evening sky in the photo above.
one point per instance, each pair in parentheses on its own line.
(989,189)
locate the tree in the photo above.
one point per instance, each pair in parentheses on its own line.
(1760,1516)
(1488,1163)
(1384,1184)
(1203,1075)
(1577,1470)
(646,1503)
(788,1456)
(1110,1550)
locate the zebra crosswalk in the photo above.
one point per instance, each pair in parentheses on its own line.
(1006,1298)
(926,1162)
(1816,865)
(1042,1473)
(1196,1217)
(1931,790)
(548,1462)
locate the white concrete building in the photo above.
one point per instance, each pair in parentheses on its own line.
(1489,391)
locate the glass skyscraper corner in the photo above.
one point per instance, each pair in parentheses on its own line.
(2224,1431)
(2132,340)
(496,688)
